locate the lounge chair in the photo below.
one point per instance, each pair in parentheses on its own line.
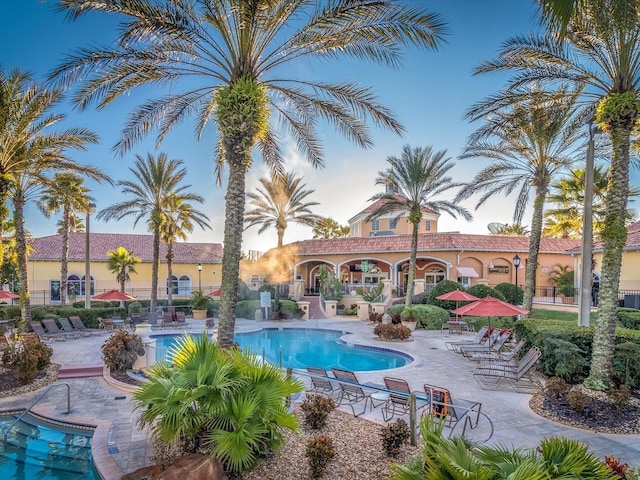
(68,329)
(321,386)
(398,400)
(442,405)
(51,327)
(78,324)
(181,321)
(509,357)
(477,340)
(351,391)
(521,377)
(38,329)
(136,318)
(490,347)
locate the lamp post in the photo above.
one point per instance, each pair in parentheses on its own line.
(200,276)
(516,266)
(586,274)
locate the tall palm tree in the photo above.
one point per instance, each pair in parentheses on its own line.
(529,142)
(76,224)
(235,58)
(327,227)
(122,262)
(155,185)
(68,193)
(179,218)
(26,136)
(599,56)
(282,199)
(419,175)
(514,230)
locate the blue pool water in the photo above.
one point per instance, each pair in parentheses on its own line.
(304,347)
(37,449)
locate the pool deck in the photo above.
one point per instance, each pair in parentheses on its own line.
(120,447)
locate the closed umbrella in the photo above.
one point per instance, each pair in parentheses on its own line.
(490,307)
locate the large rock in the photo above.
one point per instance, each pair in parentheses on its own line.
(191,467)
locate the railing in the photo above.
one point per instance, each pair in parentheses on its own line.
(6,432)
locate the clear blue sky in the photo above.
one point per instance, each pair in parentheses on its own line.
(429,95)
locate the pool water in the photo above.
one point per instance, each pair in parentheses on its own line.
(37,449)
(309,347)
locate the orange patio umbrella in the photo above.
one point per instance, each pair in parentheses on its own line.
(490,307)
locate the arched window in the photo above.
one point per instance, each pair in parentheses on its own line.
(73,286)
(434,275)
(174,285)
(255,282)
(184,285)
(92,287)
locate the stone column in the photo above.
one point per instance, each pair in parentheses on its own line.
(418,286)
(387,286)
(363,310)
(331,307)
(304,306)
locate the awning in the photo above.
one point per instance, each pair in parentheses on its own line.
(467,272)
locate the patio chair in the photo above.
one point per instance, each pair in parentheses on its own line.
(106,324)
(78,324)
(320,385)
(477,340)
(441,404)
(351,392)
(490,346)
(398,400)
(136,318)
(38,329)
(51,327)
(68,329)
(181,321)
(508,357)
(521,377)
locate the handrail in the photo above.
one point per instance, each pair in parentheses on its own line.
(28,409)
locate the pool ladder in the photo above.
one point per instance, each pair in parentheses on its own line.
(51,387)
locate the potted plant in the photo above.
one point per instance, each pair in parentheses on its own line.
(199,305)
(409,318)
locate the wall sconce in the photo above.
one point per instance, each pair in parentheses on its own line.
(490,265)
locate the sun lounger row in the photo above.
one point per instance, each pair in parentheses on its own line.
(521,376)
(48,329)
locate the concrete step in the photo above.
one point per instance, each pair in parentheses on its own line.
(81,371)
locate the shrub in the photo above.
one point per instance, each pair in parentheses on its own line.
(418,299)
(618,469)
(316,409)
(482,291)
(629,318)
(509,291)
(121,350)
(319,451)
(247,308)
(375,317)
(394,436)
(619,396)
(564,359)
(445,286)
(29,359)
(409,315)
(556,386)
(578,399)
(431,317)
(391,331)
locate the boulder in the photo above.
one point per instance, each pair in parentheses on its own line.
(190,467)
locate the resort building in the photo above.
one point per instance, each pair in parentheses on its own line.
(195,266)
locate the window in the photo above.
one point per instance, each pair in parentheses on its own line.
(184,285)
(375,225)
(434,275)
(393,224)
(427,225)
(174,285)
(92,287)
(73,286)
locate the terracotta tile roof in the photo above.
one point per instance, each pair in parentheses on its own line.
(375,205)
(50,248)
(632,243)
(430,242)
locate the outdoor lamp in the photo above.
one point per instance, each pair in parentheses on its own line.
(199,276)
(516,265)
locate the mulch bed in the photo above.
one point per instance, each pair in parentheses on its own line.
(10,384)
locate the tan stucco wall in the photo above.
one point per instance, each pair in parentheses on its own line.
(404,227)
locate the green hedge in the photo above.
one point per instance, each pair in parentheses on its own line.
(445,286)
(509,291)
(429,317)
(481,291)
(629,318)
(247,308)
(566,350)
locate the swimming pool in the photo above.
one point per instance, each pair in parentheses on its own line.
(302,347)
(40,449)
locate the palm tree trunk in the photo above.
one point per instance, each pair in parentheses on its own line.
(280,233)
(123,278)
(21,250)
(154,275)
(534,247)
(412,265)
(64,261)
(233,223)
(169,272)
(614,237)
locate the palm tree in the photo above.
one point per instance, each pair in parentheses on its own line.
(76,224)
(529,143)
(514,230)
(419,175)
(235,57)
(27,142)
(155,185)
(599,56)
(179,218)
(122,262)
(282,199)
(66,192)
(327,227)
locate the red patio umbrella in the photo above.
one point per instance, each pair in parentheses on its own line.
(457,296)
(490,307)
(114,295)
(215,293)
(7,294)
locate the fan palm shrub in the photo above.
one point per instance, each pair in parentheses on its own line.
(224,400)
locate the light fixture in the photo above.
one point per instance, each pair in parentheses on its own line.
(516,263)
(199,276)
(490,265)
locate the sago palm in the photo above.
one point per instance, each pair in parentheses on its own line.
(224,399)
(122,262)
(600,57)
(281,200)
(419,176)
(233,62)
(529,143)
(156,183)
(68,193)
(178,219)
